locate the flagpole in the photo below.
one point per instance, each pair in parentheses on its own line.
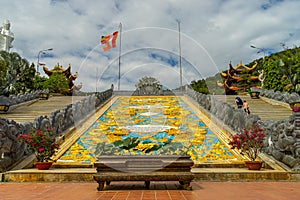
(179,45)
(119,76)
(96,78)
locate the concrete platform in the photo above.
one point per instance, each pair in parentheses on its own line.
(158,191)
(201,174)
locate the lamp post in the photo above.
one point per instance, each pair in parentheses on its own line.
(259,50)
(38,61)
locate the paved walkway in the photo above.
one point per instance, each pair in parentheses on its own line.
(158,191)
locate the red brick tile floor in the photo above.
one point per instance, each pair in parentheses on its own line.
(157,191)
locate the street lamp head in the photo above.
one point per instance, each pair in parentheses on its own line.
(38,62)
(42,64)
(43,51)
(253,46)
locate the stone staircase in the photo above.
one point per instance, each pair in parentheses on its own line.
(29,111)
(265,108)
(205,172)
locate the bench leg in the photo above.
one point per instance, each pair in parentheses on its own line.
(100,185)
(147,184)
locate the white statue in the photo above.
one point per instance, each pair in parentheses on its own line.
(6,36)
(261,77)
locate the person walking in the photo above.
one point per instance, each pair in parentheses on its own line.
(238,102)
(246,107)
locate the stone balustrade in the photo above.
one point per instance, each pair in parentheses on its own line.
(6,103)
(280,96)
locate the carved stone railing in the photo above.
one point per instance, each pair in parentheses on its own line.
(282,137)
(12,151)
(280,96)
(8,103)
(282,141)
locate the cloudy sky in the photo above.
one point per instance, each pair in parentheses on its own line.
(212,33)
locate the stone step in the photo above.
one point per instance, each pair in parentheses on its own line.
(241,174)
(266,110)
(201,174)
(28,112)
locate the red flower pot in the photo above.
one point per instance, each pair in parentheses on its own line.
(254,165)
(43,165)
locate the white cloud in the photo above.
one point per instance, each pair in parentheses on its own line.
(212,34)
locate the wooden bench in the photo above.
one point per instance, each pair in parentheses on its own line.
(144,168)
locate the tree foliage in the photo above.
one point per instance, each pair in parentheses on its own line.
(3,71)
(200,86)
(282,70)
(148,81)
(56,83)
(208,85)
(282,73)
(17,76)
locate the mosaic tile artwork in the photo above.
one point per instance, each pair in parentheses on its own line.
(148,126)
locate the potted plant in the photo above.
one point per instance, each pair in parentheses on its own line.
(43,144)
(249,142)
(295,106)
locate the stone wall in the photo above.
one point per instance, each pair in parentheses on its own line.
(280,96)
(12,151)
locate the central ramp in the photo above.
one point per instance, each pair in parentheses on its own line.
(167,125)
